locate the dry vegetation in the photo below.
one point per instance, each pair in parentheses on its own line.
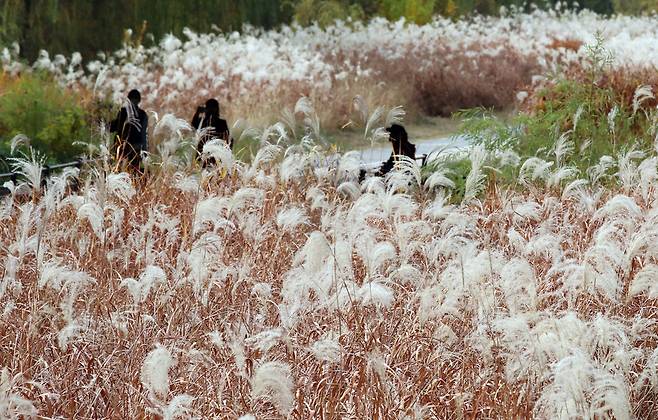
(282,288)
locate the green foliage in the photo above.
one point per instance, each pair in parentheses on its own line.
(49,115)
(635,6)
(418,11)
(92,26)
(326,12)
(591,115)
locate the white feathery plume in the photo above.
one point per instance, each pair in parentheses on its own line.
(406,174)
(534,168)
(373,185)
(349,189)
(519,285)
(642,94)
(140,289)
(120,186)
(54,275)
(439,208)
(219,150)
(564,146)
(12,403)
(377,294)
(246,198)
(179,407)
(17,141)
(94,214)
(618,205)
(67,333)
(528,210)
(327,349)
(293,167)
(599,171)
(627,168)
(154,373)
(475,179)
(170,124)
(209,210)
(394,116)
(612,115)
(216,339)
(378,255)
(318,198)
(187,184)
(265,340)
(439,178)
(373,119)
(349,166)
(289,219)
(30,168)
(266,154)
(304,106)
(275,133)
(562,174)
(311,119)
(288,118)
(646,280)
(576,117)
(649,375)
(648,170)
(273,380)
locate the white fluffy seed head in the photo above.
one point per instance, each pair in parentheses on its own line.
(273,381)
(155,371)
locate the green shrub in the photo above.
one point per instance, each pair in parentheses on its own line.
(49,115)
(418,11)
(593,109)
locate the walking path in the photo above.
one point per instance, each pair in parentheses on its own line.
(430,147)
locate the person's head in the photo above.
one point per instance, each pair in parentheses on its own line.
(397,134)
(135,97)
(212,107)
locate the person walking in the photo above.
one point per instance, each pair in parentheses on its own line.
(130,129)
(207,117)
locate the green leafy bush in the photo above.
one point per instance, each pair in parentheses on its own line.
(49,115)
(600,111)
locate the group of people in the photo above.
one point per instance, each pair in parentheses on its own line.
(130,129)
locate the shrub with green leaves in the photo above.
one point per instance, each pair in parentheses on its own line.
(590,110)
(49,115)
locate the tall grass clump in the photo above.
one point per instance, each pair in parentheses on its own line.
(282,287)
(580,123)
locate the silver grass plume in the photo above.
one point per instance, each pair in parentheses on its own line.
(154,373)
(394,116)
(475,179)
(12,403)
(273,381)
(17,141)
(219,150)
(642,94)
(30,168)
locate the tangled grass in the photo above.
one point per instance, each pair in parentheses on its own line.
(283,288)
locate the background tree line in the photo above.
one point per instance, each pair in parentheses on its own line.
(89,26)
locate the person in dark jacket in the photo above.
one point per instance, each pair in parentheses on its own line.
(130,128)
(208,117)
(401,147)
